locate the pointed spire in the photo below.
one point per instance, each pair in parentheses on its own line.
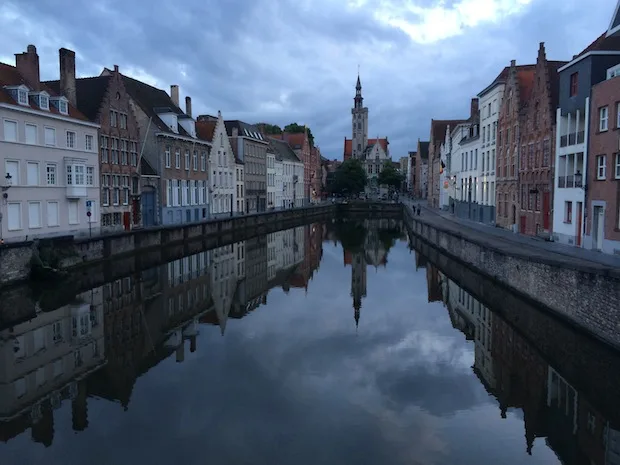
(358,86)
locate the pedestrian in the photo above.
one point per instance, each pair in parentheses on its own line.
(418,210)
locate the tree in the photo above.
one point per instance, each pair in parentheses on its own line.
(295,128)
(270,128)
(349,178)
(389,176)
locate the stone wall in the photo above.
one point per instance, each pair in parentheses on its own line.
(588,297)
(591,367)
(15,258)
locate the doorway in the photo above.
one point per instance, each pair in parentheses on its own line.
(598,227)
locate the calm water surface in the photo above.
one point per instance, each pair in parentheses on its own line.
(255,354)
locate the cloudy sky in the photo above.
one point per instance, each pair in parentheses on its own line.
(296,60)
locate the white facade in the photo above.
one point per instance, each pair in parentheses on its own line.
(51,170)
(222,171)
(571,152)
(468,163)
(239,177)
(298,183)
(489,104)
(271,180)
(373,160)
(279,181)
(38,358)
(223,269)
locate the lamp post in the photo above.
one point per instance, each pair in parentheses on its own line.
(7,184)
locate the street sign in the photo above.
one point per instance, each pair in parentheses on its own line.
(88,213)
(89,203)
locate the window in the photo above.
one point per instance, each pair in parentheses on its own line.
(568,212)
(177,159)
(123,120)
(618,116)
(603,118)
(12,168)
(104,150)
(88,142)
(167,157)
(114,151)
(187,167)
(601,165)
(14,213)
(22,97)
(63,107)
(90,175)
(574,84)
(169,193)
(51,174)
(73,212)
(31,133)
(133,147)
(195,161)
(44,102)
(70,139)
(618,166)
(34,215)
(50,136)
(52,214)
(113,116)
(124,147)
(203,161)
(32,173)
(75,175)
(10,130)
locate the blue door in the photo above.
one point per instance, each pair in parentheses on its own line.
(148,208)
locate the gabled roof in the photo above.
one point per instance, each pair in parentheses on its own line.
(348,145)
(614,25)
(89,93)
(244,130)
(296,140)
(440,126)
(9,76)
(603,43)
(146,169)
(205,130)
(283,151)
(502,77)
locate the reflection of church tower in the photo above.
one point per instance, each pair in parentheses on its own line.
(358,283)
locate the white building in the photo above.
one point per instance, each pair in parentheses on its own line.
(292,174)
(240,191)
(279,192)
(490,100)
(223,281)
(271,179)
(221,165)
(49,152)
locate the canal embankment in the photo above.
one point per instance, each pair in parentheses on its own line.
(582,292)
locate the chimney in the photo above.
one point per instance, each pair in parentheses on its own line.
(473,109)
(188,106)
(174,94)
(67,75)
(116,68)
(235,132)
(513,63)
(541,51)
(27,65)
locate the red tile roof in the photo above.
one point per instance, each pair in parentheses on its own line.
(348,146)
(205,130)
(9,76)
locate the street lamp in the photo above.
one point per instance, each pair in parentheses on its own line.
(8,181)
(578,179)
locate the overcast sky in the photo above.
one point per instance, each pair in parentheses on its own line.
(296,60)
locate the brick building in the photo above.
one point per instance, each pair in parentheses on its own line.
(104,100)
(603,169)
(438,135)
(511,114)
(537,142)
(420,180)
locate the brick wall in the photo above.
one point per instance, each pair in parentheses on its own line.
(606,93)
(587,298)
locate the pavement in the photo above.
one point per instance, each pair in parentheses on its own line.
(518,244)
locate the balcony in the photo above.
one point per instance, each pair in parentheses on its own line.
(572,139)
(76,192)
(570,181)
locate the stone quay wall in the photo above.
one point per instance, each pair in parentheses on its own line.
(585,296)
(73,252)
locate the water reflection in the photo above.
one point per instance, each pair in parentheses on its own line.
(403,385)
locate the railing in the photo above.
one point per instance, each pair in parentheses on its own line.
(572,139)
(570,181)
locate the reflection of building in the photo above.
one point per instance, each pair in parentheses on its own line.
(42,361)
(433,283)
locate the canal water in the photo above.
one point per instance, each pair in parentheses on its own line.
(324,344)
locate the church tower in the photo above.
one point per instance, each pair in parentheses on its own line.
(358,283)
(359,115)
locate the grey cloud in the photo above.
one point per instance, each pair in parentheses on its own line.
(240,54)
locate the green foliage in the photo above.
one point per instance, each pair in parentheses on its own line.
(351,234)
(295,128)
(390,176)
(388,237)
(271,128)
(349,178)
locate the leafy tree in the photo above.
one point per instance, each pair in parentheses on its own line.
(349,178)
(389,176)
(270,128)
(295,128)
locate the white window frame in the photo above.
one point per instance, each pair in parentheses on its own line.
(50,131)
(177,159)
(40,225)
(71,139)
(63,107)
(8,224)
(28,180)
(36,133)
(14,122)
(89,142)
(15,179)
(90,176)
(167,157)
(44,101)
(22,97)
(601,167)
(57,213)
(603,119)
(51,174)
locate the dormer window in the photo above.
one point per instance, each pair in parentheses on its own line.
(63,107)
(61,104)
(22,97)
(42,99)
(19,94)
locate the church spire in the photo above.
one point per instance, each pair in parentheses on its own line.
(359,100)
